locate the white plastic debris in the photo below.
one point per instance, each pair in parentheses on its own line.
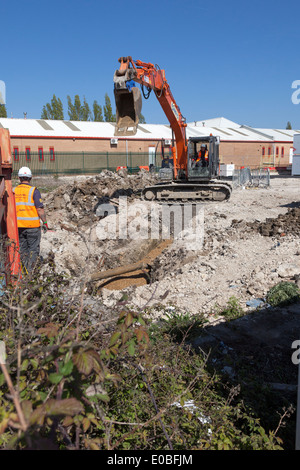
(191,407)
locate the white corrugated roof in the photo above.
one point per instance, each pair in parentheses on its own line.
(87,129)
(227,134)
(224,128)
(280,134)
(215,122)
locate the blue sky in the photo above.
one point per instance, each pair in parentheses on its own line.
(236,59)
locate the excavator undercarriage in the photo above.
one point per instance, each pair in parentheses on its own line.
(187,192)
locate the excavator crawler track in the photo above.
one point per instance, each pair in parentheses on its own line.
(187,192)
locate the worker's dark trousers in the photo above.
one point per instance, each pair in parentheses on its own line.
(30,239)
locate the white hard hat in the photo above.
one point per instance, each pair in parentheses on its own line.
(25,172)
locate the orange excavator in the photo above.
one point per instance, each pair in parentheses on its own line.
(189,177)
(10,257)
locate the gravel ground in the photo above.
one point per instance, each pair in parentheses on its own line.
(235,259)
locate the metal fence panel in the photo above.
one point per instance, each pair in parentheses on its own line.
(241,177)
(258,177)
(81,162)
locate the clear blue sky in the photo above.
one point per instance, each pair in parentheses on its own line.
(235,59)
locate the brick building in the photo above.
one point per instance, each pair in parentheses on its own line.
(63,145)
(248,146)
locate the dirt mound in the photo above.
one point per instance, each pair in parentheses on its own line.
(81,199)
(284,224)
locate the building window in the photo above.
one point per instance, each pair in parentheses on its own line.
(277,151)
(52,154)
(41,154)
(263,151)
(27,154)
(16,154)
(269,151)
(282,152)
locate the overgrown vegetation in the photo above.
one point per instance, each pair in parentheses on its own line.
(76,378)
(283,293)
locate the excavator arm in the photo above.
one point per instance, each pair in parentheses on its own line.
(128,104)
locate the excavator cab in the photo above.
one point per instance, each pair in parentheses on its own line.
(203,158)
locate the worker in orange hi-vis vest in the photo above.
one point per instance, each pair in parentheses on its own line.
(203,155)
(30,210)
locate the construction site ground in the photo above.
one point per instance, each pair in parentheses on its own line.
(251,242)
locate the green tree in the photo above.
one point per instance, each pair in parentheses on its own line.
(289,125)
(85,114)
(97,112)
(3,112)
(71,110)
(74,108)
(53,110)
(142,119)
(78,111)
(107,109)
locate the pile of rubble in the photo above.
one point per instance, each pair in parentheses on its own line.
(73,218)
(81,198)
(284,224)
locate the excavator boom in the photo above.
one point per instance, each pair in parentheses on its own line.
(129,103)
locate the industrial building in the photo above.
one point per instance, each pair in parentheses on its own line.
(66,146)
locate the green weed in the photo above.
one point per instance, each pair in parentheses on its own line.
(283,293)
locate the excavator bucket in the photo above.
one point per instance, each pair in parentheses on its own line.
(128,109)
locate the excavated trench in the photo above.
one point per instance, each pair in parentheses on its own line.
(73,210)
(137,277)
(165,257)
